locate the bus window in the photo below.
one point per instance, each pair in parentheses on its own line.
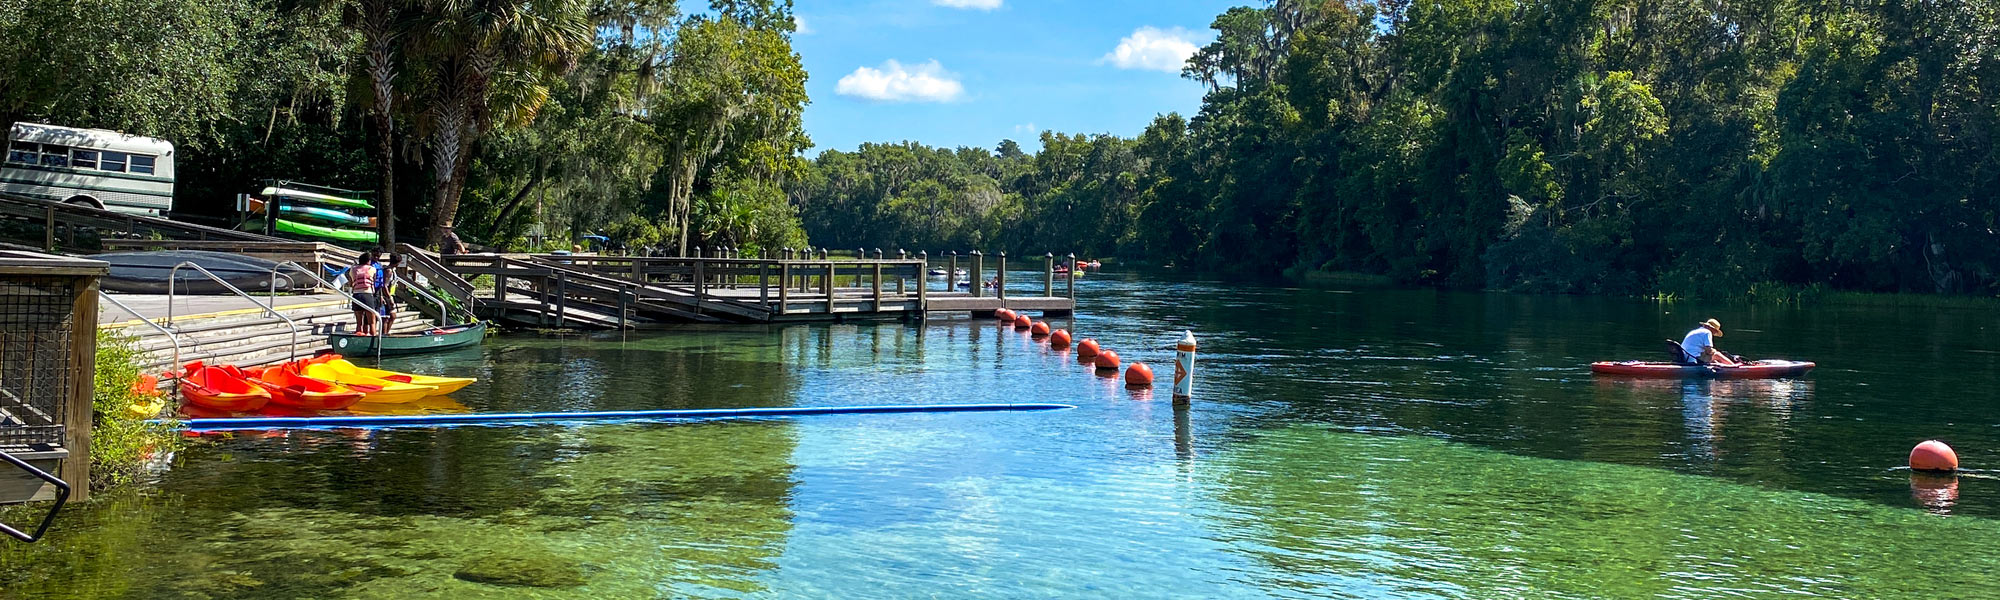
(113,161)
(83,159)
(55,156)
(23,152)
(142,164)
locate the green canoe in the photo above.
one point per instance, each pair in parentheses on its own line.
(344,235)
(431,340)
(291,194)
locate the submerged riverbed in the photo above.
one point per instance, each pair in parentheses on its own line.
(1344,443)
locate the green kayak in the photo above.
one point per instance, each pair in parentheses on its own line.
(291,194)
(344,235)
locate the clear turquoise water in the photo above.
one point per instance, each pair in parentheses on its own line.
(1344,444)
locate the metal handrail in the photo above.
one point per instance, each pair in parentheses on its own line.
(273,303)
(171,336)
(174,275)
(62,497)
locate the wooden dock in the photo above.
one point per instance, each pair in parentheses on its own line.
(584,291)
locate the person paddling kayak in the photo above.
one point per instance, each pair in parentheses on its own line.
(1698,347)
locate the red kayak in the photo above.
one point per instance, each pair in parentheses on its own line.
(1761,369)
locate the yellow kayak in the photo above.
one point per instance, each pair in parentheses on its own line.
(386,392)
(443,385)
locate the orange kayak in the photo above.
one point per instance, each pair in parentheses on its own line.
(217,388)
(290,388)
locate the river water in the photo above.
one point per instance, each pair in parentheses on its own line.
(1372,443)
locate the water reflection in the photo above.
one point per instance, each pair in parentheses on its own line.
(1936,493)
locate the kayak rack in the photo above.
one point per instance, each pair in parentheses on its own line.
(174,275)
(62,497)
(446,420)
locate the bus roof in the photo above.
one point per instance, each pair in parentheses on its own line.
(89,138)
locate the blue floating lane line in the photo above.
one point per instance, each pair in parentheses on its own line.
(446,420)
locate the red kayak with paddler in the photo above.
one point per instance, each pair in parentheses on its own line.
(1695,355)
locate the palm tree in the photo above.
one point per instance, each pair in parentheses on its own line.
(486,63)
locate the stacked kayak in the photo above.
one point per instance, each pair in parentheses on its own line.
(311,215)
(1761,369)
(290,387)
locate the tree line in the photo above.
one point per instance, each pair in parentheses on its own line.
(1705,148)
(669,128)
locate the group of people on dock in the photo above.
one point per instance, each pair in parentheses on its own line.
(372,282)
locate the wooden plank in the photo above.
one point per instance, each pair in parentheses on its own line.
(82,375)
(17,486)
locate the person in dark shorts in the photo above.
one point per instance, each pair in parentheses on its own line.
(385,290)
(361,284)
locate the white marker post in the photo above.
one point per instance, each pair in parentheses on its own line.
(1184,369)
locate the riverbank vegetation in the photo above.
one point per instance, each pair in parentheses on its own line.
(668,127)
(122,441)
(1593,146)
(1641,147)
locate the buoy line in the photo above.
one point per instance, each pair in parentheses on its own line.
(446,420)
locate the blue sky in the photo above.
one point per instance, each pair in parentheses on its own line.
(974,72)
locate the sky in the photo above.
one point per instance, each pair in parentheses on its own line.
(974,72)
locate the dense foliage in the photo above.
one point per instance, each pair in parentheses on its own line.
(1600,146)
(496,116)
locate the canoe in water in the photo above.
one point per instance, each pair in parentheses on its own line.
(315,231)
(432,340)
(147,272)
(1762,369)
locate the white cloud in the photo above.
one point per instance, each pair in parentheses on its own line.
(893,82)
(1028,128)
(1154,49)
(799,25)
(972,4)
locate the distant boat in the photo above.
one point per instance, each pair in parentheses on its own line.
(430,340)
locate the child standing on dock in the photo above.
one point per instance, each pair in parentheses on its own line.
(385,290)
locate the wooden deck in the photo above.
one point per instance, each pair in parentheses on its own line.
(616,291)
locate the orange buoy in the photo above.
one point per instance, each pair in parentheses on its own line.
(1059,339)
(1087,348)
(1107,360)
(1933,455)
(1039,329)
(1005,315)
(1139,376)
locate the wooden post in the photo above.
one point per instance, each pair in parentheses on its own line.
(764,283)
(1000,278)
(49,229)
(951,274)
(826,284)
(638,269)
(784,291)
(977,278)
(1049,274)
(700,277)
(1071,284)
(562,300)
(82,375)
(500,288)
(876,282)
(923,293)
(623,303)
